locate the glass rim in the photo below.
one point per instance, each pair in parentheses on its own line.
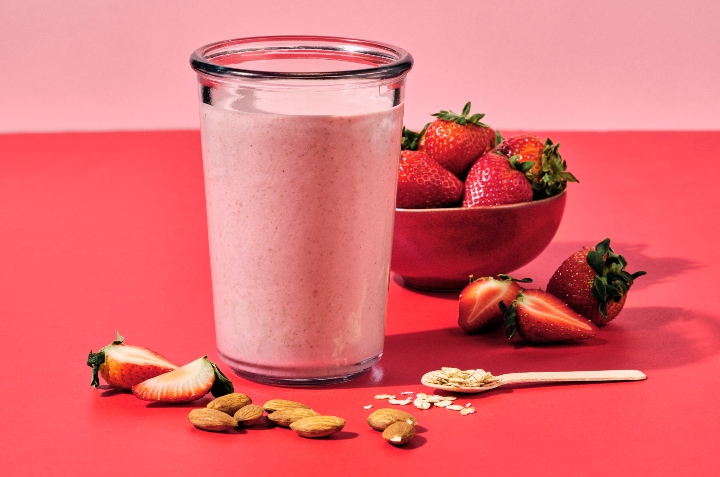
(398,60)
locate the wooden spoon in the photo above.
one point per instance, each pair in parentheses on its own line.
(550,377)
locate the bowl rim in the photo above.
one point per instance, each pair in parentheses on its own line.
(487,207)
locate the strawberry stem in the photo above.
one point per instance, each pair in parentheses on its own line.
(222,385)
(510,314)
(462,118)
(411,139)
(96,359)
(554,176)
(612,281)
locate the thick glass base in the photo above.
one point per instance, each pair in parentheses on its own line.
(299,377)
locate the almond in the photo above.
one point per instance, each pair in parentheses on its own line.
(399,433)
(211,420)
(277,404)
(248,415)
(285,417)
(383,417)
(229,403)
(317,426)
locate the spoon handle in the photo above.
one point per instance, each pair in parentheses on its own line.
(569,376)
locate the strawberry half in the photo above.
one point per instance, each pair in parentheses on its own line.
(425,184)
(548,174)
(457,140)
(124,366)
(495,180)
(539,317)
(594,282)
(185,384)
(479,301)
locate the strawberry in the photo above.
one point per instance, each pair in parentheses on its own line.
(548,173)
(495,180)
(594,282)
(124,366)
(457,140)
(539,317)
(479,301)
(425,184)
(185,384)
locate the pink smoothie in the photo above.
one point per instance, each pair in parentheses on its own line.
(300,218)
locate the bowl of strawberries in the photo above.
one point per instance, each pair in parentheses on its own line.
(472,203)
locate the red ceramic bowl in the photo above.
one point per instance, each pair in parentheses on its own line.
(438,249)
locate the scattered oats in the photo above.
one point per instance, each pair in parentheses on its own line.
(455,407)
(421,396)
(384,396)
(442,404)
(420,404)
(467,410)
(434,398)
(449,398)
(468,404)
(407,392)
(401,402)
(369,406)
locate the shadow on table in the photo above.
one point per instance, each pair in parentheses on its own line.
(644,338)
(659,269)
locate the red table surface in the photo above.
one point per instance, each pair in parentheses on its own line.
(107,231)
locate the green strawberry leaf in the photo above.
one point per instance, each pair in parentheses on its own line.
(598,289)
(94,361)
(498,138)
(461,118)
(595,260)
(603,247)
(510,316)
(222,385)
(612,281)
(508,278)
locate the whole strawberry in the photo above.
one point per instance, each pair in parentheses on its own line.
(479,301)
(594,282)
(425,184)
(495,179)
(548,173)
(539,317)
(124,366)
(457,140)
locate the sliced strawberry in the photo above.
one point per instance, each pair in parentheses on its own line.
(425,184)
(479,301)
(124,366)
(539,317)
(185,384)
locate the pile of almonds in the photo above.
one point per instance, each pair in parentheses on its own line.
(236,409)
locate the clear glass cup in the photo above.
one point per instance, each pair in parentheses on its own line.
(301,141)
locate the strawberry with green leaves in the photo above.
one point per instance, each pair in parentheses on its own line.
(548,174)
(456,140)
(594,282)
(495,179)
(479,301)
(185,384)
(124,366)
(425,184)
(540,317)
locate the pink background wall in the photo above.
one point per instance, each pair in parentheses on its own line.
(563,65)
